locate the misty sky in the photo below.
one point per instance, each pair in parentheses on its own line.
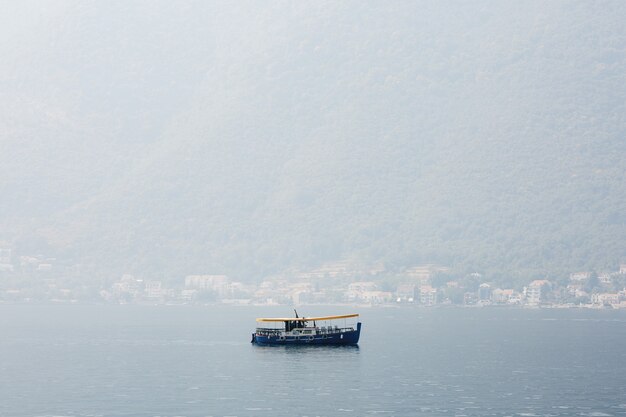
(251,137)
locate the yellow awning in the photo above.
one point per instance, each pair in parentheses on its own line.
(345,316)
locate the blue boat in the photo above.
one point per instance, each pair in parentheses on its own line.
(307,331)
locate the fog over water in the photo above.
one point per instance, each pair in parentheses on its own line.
(410,161)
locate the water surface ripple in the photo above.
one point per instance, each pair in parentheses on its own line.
(76,360)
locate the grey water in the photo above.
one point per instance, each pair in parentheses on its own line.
(95,360)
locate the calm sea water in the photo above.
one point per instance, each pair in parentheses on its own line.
(72,360)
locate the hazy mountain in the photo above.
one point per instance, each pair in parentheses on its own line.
(171,138)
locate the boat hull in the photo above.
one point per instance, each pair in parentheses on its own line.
(340,338)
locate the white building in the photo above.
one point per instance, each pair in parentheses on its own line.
(428,295)
(605,298)
(579,276)
(217,283)
(537,291)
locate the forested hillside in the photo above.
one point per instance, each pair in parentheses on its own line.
(169,138)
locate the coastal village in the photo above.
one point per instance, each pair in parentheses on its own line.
(342,282)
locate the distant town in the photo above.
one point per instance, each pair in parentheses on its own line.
(38,279)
